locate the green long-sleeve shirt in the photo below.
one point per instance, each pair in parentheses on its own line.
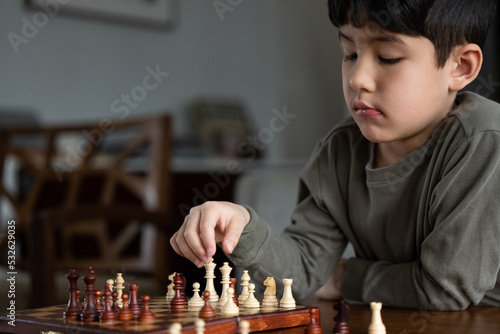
(425,230)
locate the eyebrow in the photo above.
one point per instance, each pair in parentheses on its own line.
(382,38)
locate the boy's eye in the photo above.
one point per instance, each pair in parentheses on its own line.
(389,60)
(350,57)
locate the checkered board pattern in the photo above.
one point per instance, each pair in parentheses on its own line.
(51,319)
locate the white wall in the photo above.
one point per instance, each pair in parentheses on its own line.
(267,53)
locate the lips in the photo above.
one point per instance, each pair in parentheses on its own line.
(362,109)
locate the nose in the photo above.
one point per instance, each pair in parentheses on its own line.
(362,76)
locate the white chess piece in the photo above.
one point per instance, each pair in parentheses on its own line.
(119,288)
(245,279)
(110,284)
(175,328)
(226,271)
(244,327)
(199,325)
(251,301)
(270,300)
(287,301)
(230,307)
(210,267)
(376,324)
(170,288)
(196,300)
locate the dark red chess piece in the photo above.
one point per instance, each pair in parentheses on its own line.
(134,305)
(108,315)
(115,306)
(207,311)
(73,307)
(178,302)
(313,326)
(233,285)
(125,313)
(184,282)
(146,314)
(341,318)
(78,298)
(90,312)
(98,301)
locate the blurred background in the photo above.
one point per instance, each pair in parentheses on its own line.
(250,87)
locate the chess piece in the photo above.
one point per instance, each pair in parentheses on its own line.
(245,279)
(73,307)
(175,328)
(226,271)
(196,301)
(133,304)
(251,301)
(170,288)
(146,313)
(178,302)
(125,313)
(230,308)
(199,325)
(90,312)
(108,314)
(287,301)
(270,299)
(244,327)
(98,301)
(341,318)
(313,326)
(115,306)
(233,285)
(209,268)
(376,325)
(110,284)
(207,311)
(119,288)
(78,298)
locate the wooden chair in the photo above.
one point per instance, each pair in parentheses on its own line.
(97,194)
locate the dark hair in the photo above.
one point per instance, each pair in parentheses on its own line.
(446,23)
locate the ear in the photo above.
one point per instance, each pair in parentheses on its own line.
(467,61)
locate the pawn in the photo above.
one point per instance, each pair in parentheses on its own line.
(98,301)
(175,328)
(196,300)
(251,301)
(115,306)
(230,308)
(146,314)
(244,327)
(313,326)
(125,313)
(78,298)
(199,325)
(108,315)
(133,304)
(207,311)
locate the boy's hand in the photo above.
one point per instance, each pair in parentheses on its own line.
(207,224)
(331,289)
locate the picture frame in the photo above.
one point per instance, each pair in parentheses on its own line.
(152,13)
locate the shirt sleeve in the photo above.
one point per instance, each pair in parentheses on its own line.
(459,259)
(306,251)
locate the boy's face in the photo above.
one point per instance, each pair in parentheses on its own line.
(392,85)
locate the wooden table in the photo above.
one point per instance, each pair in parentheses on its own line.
(483,320)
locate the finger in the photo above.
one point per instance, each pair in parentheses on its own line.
(208,222)
(174,245)
(184,248)
(193,237)
(232,234)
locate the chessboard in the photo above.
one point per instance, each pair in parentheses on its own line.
(51,319)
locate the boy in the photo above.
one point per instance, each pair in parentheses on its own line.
(412,179)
